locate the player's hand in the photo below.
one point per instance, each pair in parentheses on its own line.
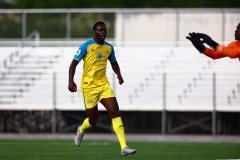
(197,43)
(120,79)
(207,39)
(72,87)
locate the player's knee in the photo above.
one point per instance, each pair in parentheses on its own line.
(93,121)
(114,114)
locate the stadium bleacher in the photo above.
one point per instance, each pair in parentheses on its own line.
(28,79)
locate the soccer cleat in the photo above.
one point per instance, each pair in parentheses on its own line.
(78,137)
(126,151)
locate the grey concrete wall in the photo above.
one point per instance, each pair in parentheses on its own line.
(170,27)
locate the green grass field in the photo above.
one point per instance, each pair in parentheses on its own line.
(109,150)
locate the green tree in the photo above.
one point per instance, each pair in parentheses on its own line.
(127,4)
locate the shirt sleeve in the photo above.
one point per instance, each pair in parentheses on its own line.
(213,54)
(112,56)
(232,50)
(82,51)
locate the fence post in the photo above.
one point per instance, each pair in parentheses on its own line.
(24,28)
(223,26)
(214,105)
(54,111)
(68,25)
(114,83)
(164,104)
(177,27)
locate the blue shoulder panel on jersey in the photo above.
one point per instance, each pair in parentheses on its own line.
(112,56)
(82,50)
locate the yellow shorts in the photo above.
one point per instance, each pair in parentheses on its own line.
(91,96)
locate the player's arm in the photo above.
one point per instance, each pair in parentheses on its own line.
(72,87)
(116,69)
(115,66)
(195,38)
(212,53)
(230,50)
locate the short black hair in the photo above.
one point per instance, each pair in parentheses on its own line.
(98,23)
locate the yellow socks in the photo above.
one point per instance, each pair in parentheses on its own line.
(119,130)
(117,127)
(85,125)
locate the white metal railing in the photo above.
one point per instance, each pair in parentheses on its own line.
(173,79)
(225,18)
(32,41)
(35,35)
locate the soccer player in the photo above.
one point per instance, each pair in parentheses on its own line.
(216,51)
(95,86)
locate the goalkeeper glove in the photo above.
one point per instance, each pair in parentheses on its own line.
(207,39)
(197,43)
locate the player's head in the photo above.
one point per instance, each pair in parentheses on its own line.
(100,31)
(237,32)
(98,23)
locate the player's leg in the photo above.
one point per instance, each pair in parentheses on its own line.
(89,122)
(112,107)
(109,101)
(90,100)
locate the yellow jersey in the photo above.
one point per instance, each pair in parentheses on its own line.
(95,58)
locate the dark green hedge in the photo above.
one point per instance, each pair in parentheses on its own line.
(54,25)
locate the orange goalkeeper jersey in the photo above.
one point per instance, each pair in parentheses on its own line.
(232,50)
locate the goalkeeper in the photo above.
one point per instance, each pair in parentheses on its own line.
(216,51)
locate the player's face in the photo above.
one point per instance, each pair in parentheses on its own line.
(237,32)
(100,33)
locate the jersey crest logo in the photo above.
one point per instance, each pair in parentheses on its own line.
(99,56)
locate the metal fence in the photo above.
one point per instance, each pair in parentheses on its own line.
(169,79)
(148,26)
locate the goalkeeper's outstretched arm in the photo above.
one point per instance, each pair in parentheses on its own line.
(216,50)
